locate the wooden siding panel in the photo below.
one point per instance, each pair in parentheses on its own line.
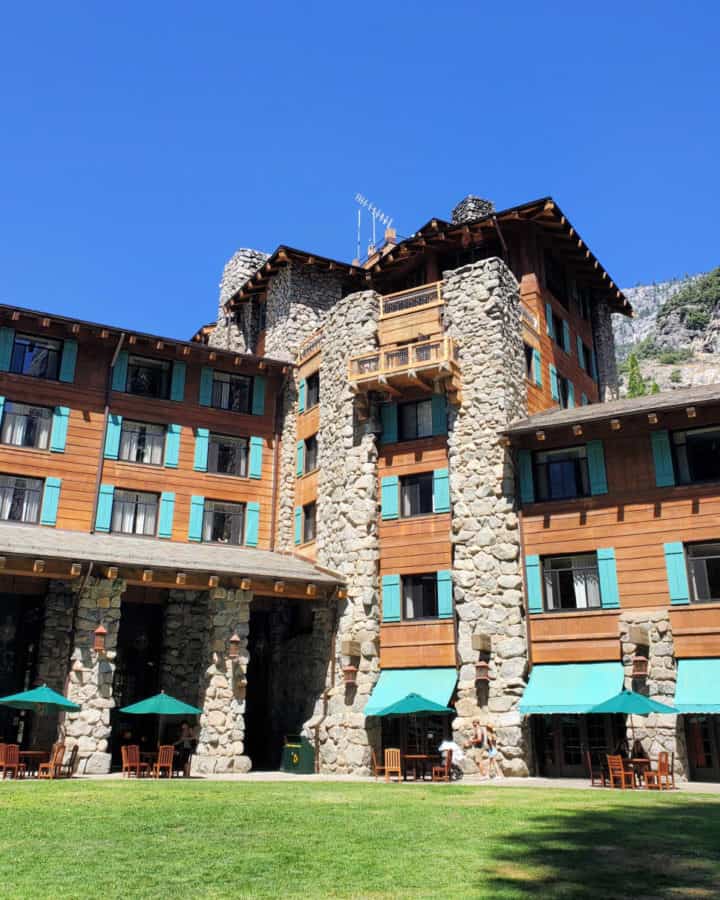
(417,645)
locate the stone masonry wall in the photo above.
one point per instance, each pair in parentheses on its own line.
(347,535)
(237,332)
(483,315)
(605,351)
(185,626)
(54,653)
(91,674)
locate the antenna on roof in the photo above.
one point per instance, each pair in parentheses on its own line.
(377,215)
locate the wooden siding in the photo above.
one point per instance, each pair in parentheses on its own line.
(410,324)
(696,630)
(575,637)
(409,645)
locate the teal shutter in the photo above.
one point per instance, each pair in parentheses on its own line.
(195,524)
(439,414)
(112,436)
(441,491)
(120,371)
(256,453)
(389,492)
(662,457)
(583,399)
(527,489)
(252,524)
(177,381)
(533,584)
(567,346)
(103,517)
(172,446)
(58,435)
(7,339)
(391,598)
(302,389)
(68,360)
(580,354)
(2,408)
(300,459)
(549,321)
(202,438)
(445,594)
(571,395)
(206,386)
(596,468)
(389,418)
(554,389)
(593,366)
(51,498)
(167,510)
(298,524)
(677,573)
(609,595)
(258,399)
(537,368)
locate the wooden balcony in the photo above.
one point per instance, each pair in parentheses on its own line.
(416,298)
(310,346)
(416,365)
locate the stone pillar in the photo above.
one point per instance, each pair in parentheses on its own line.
(472,208)
(652,629)
(221,746)
(184,635)
(605,351)
(347,533)
(54,653)
(483,315)
(91,674)
(237,331)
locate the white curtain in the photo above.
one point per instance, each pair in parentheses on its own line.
(16,421)
(129,444)
(31,504)
(6,496)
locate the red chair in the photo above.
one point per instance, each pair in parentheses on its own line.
(618,773)
(442,773)
(164,762)
(11,762)
(52,768)
(131,764)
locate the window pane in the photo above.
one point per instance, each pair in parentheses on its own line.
(408,421)
(571,582)
(416,495)
(223,522)
(704,560)
(228,455)
(310,454)
(703,454)
(26,426)
(148,377)
(420,596)
(20,499)
(312,386)
(142,443)
(134,512)
(233,392)
(309,522)
(424,419)
(39,357)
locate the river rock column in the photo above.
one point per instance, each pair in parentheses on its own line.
(347,535)
(221,744)
(184,635)
(604,340)
(91,674)
(483,315)
(54,653)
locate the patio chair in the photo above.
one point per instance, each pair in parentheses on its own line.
(11,762)
(377,768)
(393,764)
(2,757)
(131,764)
(164,762)
(618,773)
(51,769)
(67,769)
(596,772)
(659,779)
(442,773)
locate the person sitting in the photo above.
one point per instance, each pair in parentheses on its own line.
(185,747)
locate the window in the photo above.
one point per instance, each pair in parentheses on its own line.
(571,582)
(419,595)
(141,443)
(558,330)
(26,426)
(148,377)
(134,512)
(416,495)
(584,301)
(312,386)
(562,474)
(39,357)
(20,498)
(311,449)
(415,420)
(309,522)
(704,564)
(529,364)
(555,278)
(228,455)
(223,523)
(586,360)
(564,391)
(233,392)
(697,455)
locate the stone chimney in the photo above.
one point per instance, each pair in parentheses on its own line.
(472,208)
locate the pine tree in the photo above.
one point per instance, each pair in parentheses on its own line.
(636,383)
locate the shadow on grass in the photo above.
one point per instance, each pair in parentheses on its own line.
(668,846)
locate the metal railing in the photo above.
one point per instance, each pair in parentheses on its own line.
(425,295)
(424,353)
(310,345)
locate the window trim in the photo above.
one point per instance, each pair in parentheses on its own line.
(304,540)
(135,534)
(135,462)
(241,503)
(230,376)
(676,462)
(401,479)
(27,447)
(306,471)
(37,337)
(159,363)
(415,403)
(536,480)
(42,482)
(233,437)
(432,576)
(687,547)
(572,610)
(308,405)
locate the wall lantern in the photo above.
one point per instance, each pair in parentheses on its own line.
(482,670)
(350,674)
(234,645)
(99,641)
(639,666)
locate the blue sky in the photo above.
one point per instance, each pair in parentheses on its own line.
(141,144)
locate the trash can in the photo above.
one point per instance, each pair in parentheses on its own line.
(298,755)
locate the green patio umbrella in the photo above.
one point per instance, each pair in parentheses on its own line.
(632,704)
(39,698)
(161,704)
(414,704)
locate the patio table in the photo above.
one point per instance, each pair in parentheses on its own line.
(33,758)
(640,765)
(419,762)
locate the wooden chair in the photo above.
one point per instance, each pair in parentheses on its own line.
(618,773)
(442,773)
(393,764)
(131,764)
(2,757)
(67,769)
(164,762)
(596,772)
(377,768)
(659,779)
(51,769)
(11,762)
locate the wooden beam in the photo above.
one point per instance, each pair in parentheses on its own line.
(386,386)
(418,382)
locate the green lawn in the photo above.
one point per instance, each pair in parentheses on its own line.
(220,839)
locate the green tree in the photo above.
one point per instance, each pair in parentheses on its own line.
(636,383)
(654,388)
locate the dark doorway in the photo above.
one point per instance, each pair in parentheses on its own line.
(286,675)
(415,734)
(21,619)
(702,734)
(561,742)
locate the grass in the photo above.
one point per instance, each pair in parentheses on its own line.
(222,839)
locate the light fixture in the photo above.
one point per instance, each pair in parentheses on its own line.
(482,670)
(100,634)
(639,666)
(350,674)
(234,643)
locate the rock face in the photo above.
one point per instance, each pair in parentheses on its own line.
(54,653)
(646,300)
(185,626)
(239,331)
(472,208)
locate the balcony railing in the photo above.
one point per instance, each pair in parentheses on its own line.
(425,354)
(310,345)
(426,295)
